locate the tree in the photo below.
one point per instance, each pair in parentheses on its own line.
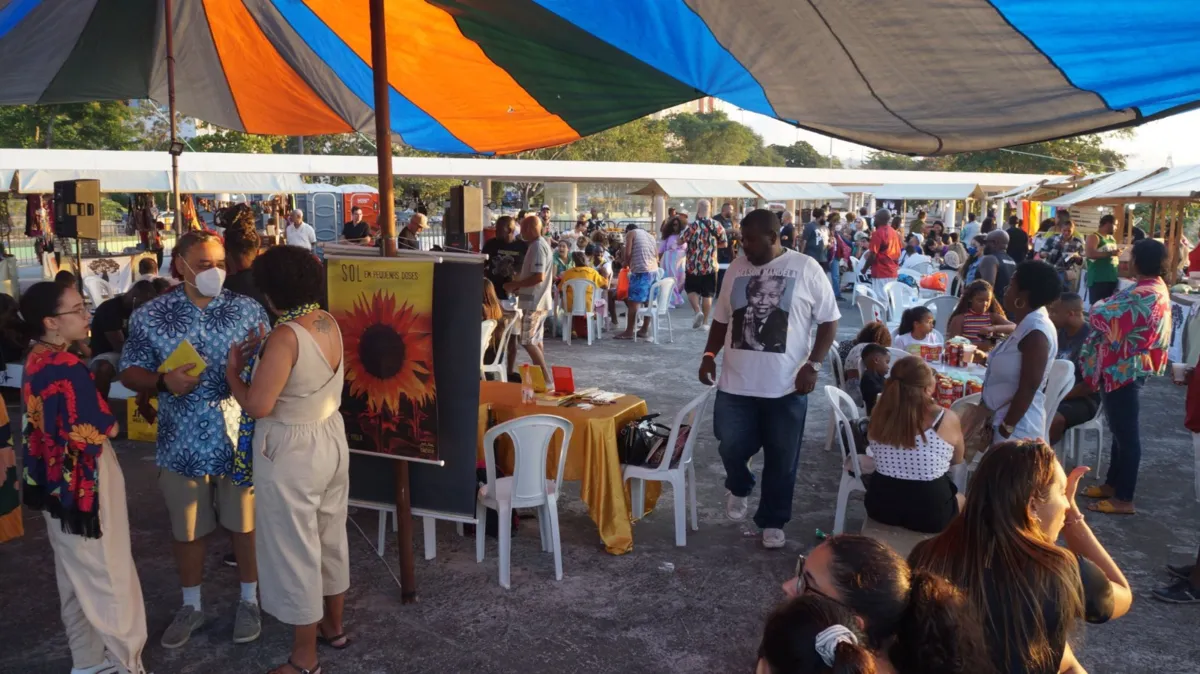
(766,156)
(710,138)
(801,155)
(98,125)
(890,161)
(215,139)
(1080,154)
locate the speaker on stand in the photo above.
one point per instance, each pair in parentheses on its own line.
(77,216)
(464,217)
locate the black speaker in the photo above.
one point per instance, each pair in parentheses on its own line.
(466,210)
(77,209)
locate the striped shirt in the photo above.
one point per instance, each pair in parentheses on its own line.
(643,255)
(973,323)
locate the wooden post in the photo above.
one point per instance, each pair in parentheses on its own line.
(170,29)
(387,226)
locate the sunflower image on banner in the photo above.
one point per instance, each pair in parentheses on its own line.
(384,309)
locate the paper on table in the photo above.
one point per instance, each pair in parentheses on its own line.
(184,354)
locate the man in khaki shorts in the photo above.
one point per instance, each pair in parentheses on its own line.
(532,288)
(198,423)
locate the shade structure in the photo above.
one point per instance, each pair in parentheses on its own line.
(1098,193)
(930,192)
(6,177)
(695,189)
(500,76)
(1179,182)
(42,181)
(796,191)
(348,188)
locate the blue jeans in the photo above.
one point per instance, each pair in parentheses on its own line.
(835,275)
(744,425)
(1122,407)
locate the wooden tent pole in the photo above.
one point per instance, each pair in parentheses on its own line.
(387,218)
(170,41)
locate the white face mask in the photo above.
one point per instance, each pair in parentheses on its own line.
(208,282)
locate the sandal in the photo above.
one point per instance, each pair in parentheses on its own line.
(1180,592)
(1098,491)
(1107,507)
(299,670)
(1182,572)
(332,641)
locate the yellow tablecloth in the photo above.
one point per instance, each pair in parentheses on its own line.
(591,456)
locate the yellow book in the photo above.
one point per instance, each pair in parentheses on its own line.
(184,354)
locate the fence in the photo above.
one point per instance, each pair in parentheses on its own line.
(113,241)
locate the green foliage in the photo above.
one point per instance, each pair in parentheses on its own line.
(1081,155)
(99,125)
(803,155)
(215,139)
(891,161)
(710,138)
(765,156)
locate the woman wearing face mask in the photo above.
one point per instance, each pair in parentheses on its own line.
(301,458)
(72,475)
(913,622)
(970,267)
(1001,553)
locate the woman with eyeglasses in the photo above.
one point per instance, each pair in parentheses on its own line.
(913,622)
(1019,367)
(1001,552)
(72,475)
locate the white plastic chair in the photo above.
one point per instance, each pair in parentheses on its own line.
(942,306)
(856,267)
(839,380)
(681,476)
(900,296)
(914,262)
(97,289)
(870,309)
(499,364)
(843,412)
(1062,378)
(956,285)
(961,473)
(485,333)
(894,356)
(580,306)
(658,306)
(1073,438)
(923,267)
(528,486)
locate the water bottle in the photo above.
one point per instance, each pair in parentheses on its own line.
(527,395)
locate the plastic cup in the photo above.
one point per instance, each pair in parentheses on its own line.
(1177,372)
(968,355)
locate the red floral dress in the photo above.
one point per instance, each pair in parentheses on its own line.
(68,424)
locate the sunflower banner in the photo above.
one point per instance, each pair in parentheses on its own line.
(384,308)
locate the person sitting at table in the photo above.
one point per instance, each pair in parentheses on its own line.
(916,330)
(562,258)
(109,324)
(913,442)
(875,368)
(1082,401)
(978,316)
(874,332)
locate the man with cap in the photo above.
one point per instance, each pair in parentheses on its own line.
(883,253)
(544,214)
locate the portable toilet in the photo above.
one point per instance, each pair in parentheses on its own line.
(322,206)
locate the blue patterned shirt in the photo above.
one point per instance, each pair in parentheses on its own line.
(196,432)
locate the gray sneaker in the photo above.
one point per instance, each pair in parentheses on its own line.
(187,620)
(247,625)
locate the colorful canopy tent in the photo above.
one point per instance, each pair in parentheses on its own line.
(796,191)
(500,76)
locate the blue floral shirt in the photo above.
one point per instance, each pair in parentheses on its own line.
(196,432)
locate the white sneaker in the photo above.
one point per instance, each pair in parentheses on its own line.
(698,321)
(736,507)
(773,538)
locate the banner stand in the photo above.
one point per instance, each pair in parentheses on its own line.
(393,311)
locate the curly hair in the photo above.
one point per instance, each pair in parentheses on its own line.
(290,277)
(874,332)
(241,238)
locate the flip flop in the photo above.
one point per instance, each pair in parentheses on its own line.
(623,337)
(1096,491)
(1106,507)
(300,670)
(346,641)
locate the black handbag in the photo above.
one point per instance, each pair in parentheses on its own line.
(638,439)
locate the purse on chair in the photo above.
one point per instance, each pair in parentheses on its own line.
(637,440)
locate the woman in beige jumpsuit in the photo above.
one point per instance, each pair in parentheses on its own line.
(300,456)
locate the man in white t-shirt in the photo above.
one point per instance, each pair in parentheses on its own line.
(299,232)
(770,298)
(532,288)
